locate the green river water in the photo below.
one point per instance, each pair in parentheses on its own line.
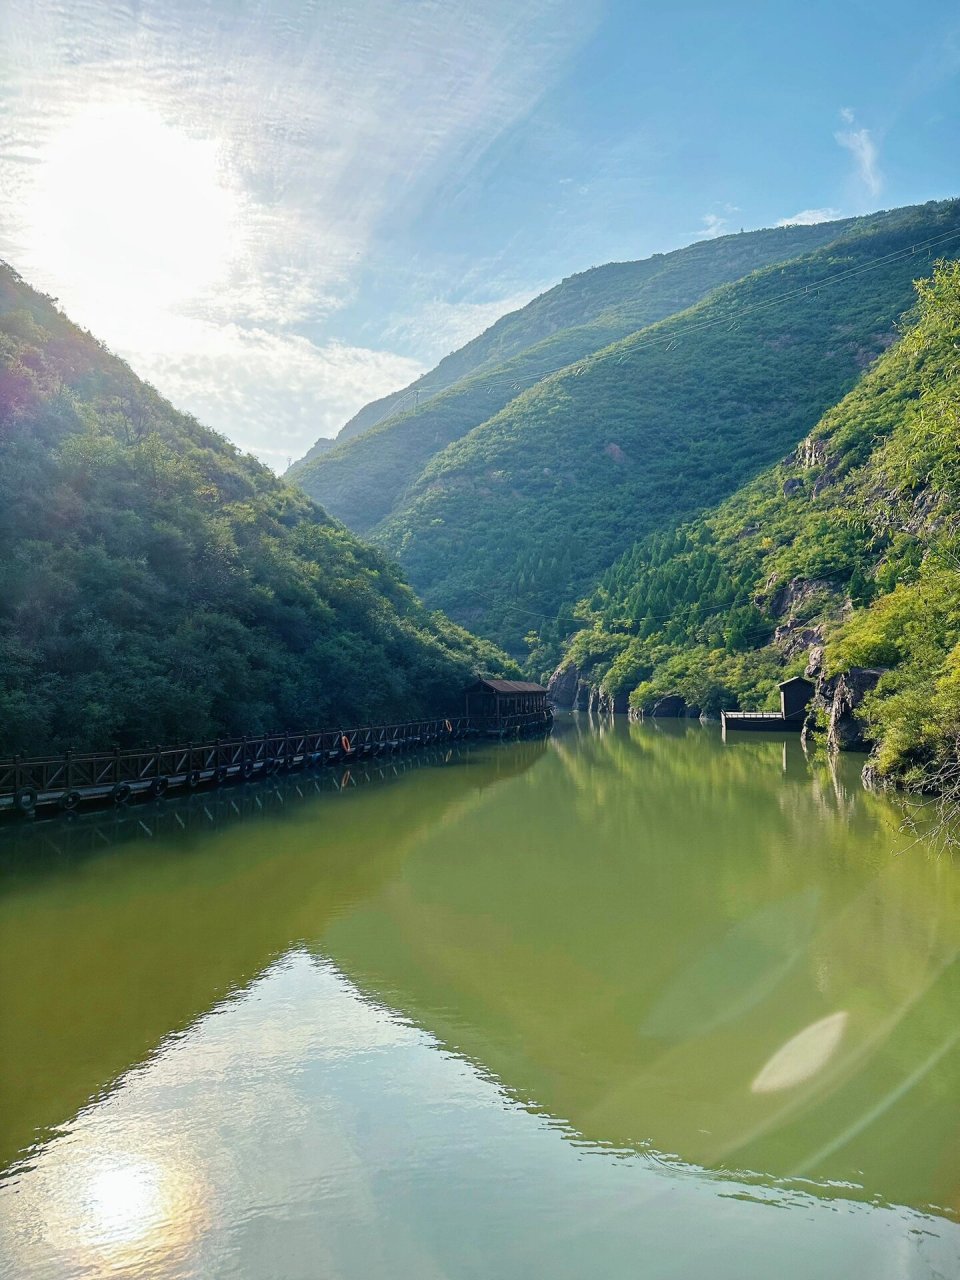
(630,1002)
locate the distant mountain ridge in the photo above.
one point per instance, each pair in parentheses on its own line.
(507,493)
(581,315)
(508,525)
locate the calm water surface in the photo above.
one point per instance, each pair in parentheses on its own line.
(625,1003)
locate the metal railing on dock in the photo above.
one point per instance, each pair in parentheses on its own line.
(760,720)
(70,779)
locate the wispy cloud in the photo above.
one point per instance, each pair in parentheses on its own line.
(441,326)
(296,138)
(809,217)
(862,146)
(272,393)
(711,225)
(715,224)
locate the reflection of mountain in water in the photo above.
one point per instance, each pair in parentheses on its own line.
(671,944)
(123,926)
(666,944)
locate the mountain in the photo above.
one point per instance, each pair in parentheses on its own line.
(383,449)
(156,585)
(841,560)
(507,526)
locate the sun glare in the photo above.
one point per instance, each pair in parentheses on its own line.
(133,212)
(126,1202)
(122,1212)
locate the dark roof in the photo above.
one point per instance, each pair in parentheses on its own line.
(795,680)
(509,686)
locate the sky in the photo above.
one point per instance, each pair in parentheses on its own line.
(278,210)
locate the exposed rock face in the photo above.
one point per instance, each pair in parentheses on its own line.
(798,593)
(601,704)
(671,706)
(811,453)
(796,601)
(793,638)
(567,688)
(562,686)
(838,699)
(792,487)
(847,731)
(871,779)
(814,667)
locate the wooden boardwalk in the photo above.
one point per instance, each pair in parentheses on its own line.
(77,778)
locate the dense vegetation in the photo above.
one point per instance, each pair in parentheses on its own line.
(852,543)
(506,525)
(156,585)
(366,475)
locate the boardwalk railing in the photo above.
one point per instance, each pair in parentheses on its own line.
(71,778)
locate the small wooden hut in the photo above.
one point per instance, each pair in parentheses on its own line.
(495,701)
(795,695)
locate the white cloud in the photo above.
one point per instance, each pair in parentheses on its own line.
(712,225)
(440,326)
(272,393)
(298,139)
(861,145)
(809,217)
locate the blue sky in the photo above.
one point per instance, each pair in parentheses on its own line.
(277,211)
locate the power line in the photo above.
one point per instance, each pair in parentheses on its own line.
(672,340)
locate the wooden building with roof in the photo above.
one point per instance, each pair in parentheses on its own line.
(500,702)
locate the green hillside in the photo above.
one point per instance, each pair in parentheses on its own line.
(367,474)
(852,543)
(507,525)
(156,585)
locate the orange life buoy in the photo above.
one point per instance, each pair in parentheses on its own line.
(449,726)
(345,742)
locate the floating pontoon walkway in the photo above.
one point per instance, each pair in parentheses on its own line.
(74,778)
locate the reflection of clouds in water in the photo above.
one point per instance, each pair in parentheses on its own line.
(140,1177)
(124,1201)
(303,1131)
(293,1011)
(802,1056)
(179,1150)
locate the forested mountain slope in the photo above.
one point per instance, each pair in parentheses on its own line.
(156,585)
(508,524)
(848,551)
(366,474)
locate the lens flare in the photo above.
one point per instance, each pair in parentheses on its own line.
(803,1056)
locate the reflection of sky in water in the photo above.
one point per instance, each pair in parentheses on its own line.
(616,1035)
(300,1131)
